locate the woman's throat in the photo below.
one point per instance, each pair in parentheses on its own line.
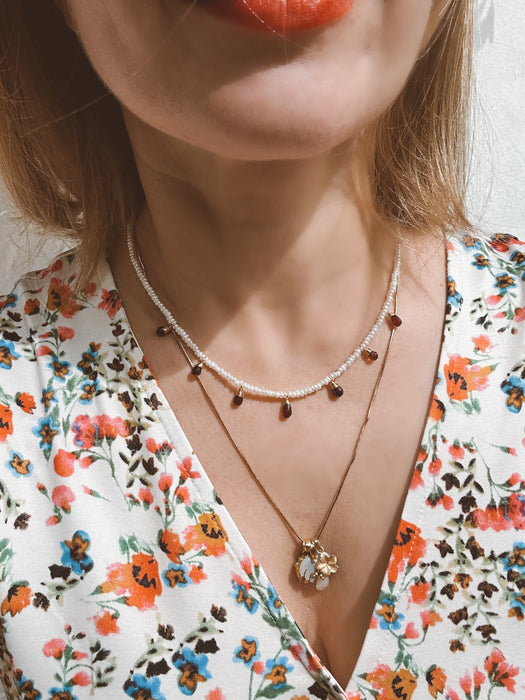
(282,16)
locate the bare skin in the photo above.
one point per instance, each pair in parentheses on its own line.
(253,236)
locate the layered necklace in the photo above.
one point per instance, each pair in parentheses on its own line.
(313,563)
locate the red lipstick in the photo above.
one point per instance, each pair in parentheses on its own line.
(281,16)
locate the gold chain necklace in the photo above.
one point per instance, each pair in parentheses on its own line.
(313,563)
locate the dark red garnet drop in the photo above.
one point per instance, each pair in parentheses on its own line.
(337,390)
(287,409)
(395,320)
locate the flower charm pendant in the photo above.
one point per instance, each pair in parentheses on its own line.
(315,564)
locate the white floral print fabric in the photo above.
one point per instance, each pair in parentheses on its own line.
(123,575)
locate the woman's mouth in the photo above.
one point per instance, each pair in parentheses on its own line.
(281,16)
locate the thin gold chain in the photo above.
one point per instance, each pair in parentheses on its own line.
(243,459)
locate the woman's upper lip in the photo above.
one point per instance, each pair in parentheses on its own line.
(277,15)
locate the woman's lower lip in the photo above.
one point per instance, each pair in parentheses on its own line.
(281,16)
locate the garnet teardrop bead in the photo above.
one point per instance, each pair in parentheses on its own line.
(370,355)
(395,320)
(196,369)
(239,397)
(163,330)
(287,409)
(337,390)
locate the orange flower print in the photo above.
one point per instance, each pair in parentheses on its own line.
(482,343)
(26,402)
(18,597)
(467,681)
(140,578)
(165,481)
(60,298)
(110,302)
(65,333)
(186,470)
(409,547)
(392,684)
(411,631)
(31,307)
(462,377)
(208,535)
(81,678)
(91,430)
(63,497)
(506,516)
(65,462)
(197,574)
(419,592)
(436,679)
(106,623)
(501,674)
(6,422)
(171,545)
(429,618)
(437,409)
(54,648)
(215,694)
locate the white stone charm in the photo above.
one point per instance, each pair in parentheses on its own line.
(315,565)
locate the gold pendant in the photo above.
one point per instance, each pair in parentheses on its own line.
(315,564)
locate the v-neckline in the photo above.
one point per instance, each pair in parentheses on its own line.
(183,447)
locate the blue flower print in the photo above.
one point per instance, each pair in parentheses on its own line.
(8,301)
(7,354)
(74,553)
(514,387)
(480,261)
(138,684)
(243,598)
(89,391)
(27,687)
(60,369)
(387,616)
(505,281)
(18,465)
(61,694)
(193,668)
(46,430)
(518,258)
(276,670)
(274,602)
(470,243)
(248,652)
(515,560)
(454,298)
(176,576)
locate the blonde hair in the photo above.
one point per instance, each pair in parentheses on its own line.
(68,165)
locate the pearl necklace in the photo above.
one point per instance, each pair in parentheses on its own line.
(239,385)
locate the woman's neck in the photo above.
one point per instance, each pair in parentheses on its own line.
(277,249)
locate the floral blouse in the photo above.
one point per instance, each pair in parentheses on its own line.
(122,574)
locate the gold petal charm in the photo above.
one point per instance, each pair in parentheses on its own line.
(314,564)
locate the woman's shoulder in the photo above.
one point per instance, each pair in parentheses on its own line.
(47,307)
(500,254)
(51,288)
(50,297)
